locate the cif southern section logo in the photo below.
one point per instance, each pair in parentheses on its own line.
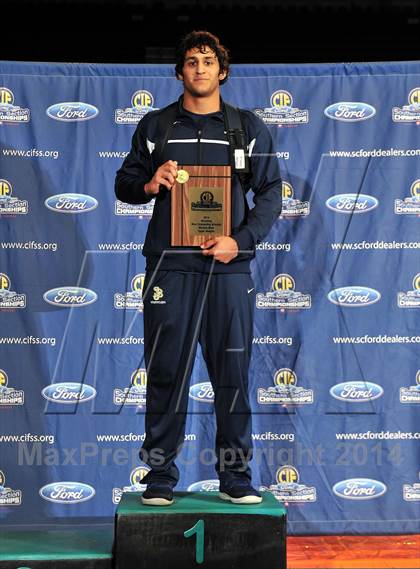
(132,300)
(68,392)
(281,111)
(359,489)
(356,391)
(9,112)
(9,298)
(354,296)
(411,112)
(136,477)
(202,392)
(411,492)
(351,203)
(283,295)
(141,103)
(67,492)
(292,207)
(288,488)
(285,390)
(11,205)
(72,111)
(141,211)
(411,204)
(206,202)
(411,394)
(70,296)
(204,486)
(350,111)
(71,203)
(411,298)
(8,395)
(8,496)
(136,393)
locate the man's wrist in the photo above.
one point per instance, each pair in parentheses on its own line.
(244,240)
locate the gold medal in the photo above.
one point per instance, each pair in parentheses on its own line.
(182,177)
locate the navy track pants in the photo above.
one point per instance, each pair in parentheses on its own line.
(181,309)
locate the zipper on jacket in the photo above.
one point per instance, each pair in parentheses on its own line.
(199,148)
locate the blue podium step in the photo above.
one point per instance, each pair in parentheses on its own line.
(200,530)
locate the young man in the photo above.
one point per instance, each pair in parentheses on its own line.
(201,294)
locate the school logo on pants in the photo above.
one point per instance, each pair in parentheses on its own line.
(157,296)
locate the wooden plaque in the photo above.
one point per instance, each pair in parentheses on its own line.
(201,206)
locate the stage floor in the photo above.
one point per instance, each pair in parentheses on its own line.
(94,542)
(354,552)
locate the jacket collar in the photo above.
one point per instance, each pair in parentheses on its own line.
(183,112)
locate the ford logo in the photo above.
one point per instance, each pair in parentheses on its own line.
(69,392)
(359,489)
(70,296)
(202,392)
(352,203)
(355,391)
(67,492)
(204,486)
(72,111)
(354,296)
(350,111)
(71,203)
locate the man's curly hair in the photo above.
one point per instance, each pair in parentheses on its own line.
(201,40)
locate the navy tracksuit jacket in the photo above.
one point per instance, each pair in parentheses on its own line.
(190,298)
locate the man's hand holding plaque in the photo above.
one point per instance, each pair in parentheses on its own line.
(223,248)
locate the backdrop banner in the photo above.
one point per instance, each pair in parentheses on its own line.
(335,372)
